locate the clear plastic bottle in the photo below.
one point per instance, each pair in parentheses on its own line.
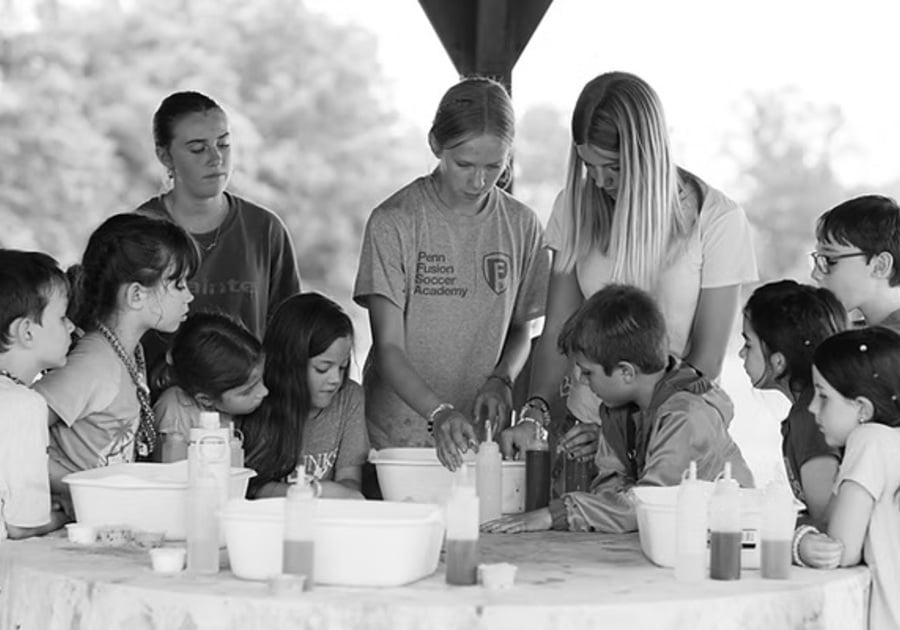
(300,528)
(488,478)
(537,472)
(777,529)
(691,524)
(725,528)
(203,522)
(210,442)
(236,444)
(462,531)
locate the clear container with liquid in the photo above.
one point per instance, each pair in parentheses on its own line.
(299,528)
(777,530)
(725,528)
(691,522)
(537,472)
(462,531)
(489,478)
(203,523)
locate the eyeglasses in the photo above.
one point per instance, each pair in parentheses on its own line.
(824,262)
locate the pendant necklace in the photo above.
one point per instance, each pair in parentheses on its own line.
(204,248)
(146,433)
(15,379)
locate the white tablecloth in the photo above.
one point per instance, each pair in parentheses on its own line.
(566,581)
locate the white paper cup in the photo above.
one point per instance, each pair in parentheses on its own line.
(168,559)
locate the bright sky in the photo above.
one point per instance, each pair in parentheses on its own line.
(702,56)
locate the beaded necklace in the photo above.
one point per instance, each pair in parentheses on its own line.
(146,433)
(15,379)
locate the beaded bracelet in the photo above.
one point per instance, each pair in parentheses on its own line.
(431,417)
(537,402)
(799,533)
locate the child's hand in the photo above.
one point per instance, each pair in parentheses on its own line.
(580,442)
(516,439)
(534,521)
(820,551)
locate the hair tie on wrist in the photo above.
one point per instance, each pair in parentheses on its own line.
(503,379)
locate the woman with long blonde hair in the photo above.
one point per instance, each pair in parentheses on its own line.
(629,214)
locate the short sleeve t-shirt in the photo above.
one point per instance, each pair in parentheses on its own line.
(177,413)
(801,441)
(24,477)
(461,281)
(718,253)
(337,437)
(95,398)
(870,459)
(248,267)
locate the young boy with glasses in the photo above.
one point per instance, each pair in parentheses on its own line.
(857,257)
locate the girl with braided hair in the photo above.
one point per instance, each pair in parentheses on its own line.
(132,279)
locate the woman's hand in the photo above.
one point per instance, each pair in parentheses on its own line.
(493,403)
(820,551)
(534,521)
(453,436)
(580,442)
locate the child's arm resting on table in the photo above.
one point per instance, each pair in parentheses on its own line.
(58,518)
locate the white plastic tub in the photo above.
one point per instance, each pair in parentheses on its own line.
(142,496)
(357,543)
(415,474)
(655,507)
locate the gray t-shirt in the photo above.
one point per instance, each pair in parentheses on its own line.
(461,281)
(336,438)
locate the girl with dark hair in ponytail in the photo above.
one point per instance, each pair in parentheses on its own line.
(133,279)
(784,321)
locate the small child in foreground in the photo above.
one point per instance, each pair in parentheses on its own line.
(34,336)
(618,341)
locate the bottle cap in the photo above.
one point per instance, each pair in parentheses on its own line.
(209,419)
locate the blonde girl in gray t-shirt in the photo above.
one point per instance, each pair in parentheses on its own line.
(452,271)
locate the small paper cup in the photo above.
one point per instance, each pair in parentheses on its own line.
(286,585)
(497,576)
(168,559)
(81,534)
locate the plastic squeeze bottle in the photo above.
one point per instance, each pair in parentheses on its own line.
(204,503)
(777,530)
(300,528)
(537,472)
(691,521)
(462,531)
(488,477)
(236,444)
(725,528)
(210,442)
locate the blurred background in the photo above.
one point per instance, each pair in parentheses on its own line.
(788,107)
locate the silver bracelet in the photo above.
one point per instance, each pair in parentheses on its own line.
(799,533)
(434,412)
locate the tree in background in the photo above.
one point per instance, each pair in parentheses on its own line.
(541,157)
(315,138)
(787,176)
